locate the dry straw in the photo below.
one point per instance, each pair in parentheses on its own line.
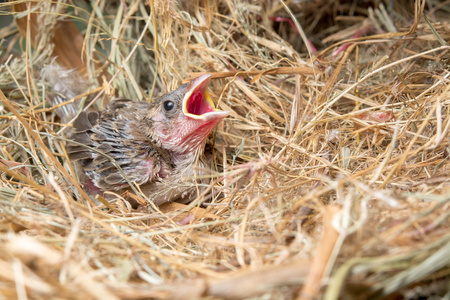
(331,172)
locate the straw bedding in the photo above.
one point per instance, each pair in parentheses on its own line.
(331,174)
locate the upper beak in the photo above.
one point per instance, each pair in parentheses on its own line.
(197,103)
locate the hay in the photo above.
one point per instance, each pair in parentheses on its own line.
(332,170)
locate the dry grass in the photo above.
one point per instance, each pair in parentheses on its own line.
(333,167)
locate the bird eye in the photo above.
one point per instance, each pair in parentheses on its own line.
(168,105)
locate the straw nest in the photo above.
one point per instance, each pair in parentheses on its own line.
(331,172)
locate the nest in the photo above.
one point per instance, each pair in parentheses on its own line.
(331,172)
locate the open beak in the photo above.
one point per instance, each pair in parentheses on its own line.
(197,103)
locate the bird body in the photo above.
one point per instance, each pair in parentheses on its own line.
(154,146)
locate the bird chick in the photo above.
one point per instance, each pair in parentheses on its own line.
(152,145)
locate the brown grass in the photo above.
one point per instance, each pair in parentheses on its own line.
(332,168)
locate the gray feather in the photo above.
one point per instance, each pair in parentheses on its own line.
(65,85)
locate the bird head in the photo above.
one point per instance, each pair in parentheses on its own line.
(184,118)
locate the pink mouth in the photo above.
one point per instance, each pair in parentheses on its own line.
(197,103)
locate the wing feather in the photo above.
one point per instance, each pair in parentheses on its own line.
(115,134)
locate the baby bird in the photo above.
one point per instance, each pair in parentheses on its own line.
(152,145)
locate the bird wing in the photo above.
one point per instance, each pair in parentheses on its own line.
(112,149)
